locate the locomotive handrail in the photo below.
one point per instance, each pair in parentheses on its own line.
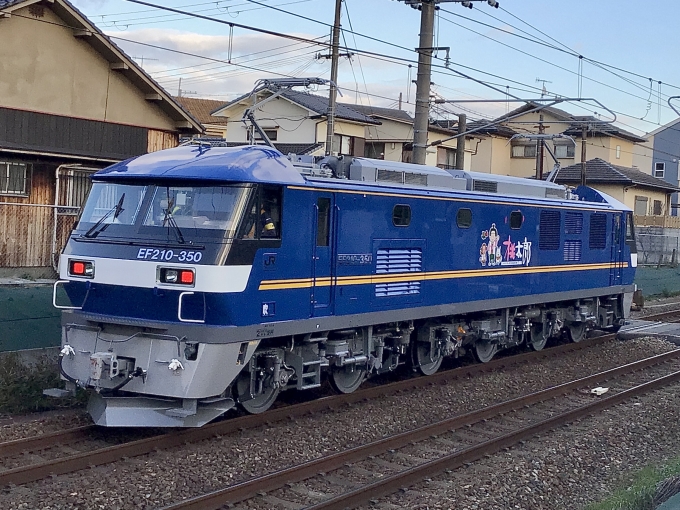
(179,309)
(63,307)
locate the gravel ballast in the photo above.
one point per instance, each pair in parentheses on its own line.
(155,480)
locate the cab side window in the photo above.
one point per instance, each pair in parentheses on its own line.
(263,214)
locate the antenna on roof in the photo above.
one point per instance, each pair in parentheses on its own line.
(278,86)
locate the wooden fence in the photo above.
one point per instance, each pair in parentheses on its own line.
(33,235)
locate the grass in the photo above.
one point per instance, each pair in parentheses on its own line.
(640,490)
(21,385)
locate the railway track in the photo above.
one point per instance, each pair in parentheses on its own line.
(363,474)
(55,456)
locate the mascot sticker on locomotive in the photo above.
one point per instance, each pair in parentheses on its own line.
(495,252)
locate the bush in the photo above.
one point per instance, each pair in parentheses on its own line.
(21,385)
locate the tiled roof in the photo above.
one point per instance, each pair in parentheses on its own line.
(595,126)
(496,129)
(599,171)
(317,104)
(7,3)
(385,113)
(201,108)
(599,127)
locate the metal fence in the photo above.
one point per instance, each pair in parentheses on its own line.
(658,249)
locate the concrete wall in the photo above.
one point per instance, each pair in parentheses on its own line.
(45,68)
(27,318)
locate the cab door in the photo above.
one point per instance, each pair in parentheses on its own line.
(323,256)
(616,266)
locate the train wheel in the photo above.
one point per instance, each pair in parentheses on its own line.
(260,403)
(348,378)
(422,360)
(538,337)
(576,331)
(485,350)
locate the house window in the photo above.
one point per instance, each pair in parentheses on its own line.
(375,150)
(618,152)
(343,145)
(657,208)
(446,158)
(14,178)
(407,153)
(272,134)
(640,206)
(659,170)
(523,151)
(564,151)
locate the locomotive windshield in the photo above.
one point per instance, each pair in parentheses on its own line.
(163,211)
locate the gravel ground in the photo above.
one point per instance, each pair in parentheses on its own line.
(570,468)
(155,480)
(659,305)
(37,424)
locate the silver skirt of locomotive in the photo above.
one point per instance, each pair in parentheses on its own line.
(177,382)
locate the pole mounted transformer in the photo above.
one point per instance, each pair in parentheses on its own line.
(425,49)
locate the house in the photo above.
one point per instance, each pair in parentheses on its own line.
(295,120)
(503,151)
(71,102)
(215,127)
(659,157)
(645,194)
(392,140)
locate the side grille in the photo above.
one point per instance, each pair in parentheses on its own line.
(598,231)
(572,251)
(410,178)
(390,176)
(573,223)
(398,261)
(549,230)
(488,186)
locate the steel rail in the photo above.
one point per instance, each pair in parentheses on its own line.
(30,473)
(147,445)
(416,474)
(9,448)
(278,479)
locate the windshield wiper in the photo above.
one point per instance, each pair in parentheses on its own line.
(100,226)
(167,218)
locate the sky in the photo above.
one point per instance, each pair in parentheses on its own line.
(627,46)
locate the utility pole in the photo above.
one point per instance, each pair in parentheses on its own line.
(330,118)
(460,142)
(400,100)
(584,134)
(422,114)
(425,49)
(539,149)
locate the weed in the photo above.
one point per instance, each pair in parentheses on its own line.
(641,490)
(21,385)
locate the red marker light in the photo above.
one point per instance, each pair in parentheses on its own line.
(186,277)
(81,268)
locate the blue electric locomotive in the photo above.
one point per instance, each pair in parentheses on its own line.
(202,277)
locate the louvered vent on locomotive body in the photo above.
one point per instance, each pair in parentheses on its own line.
(572,251)
(395,261)
(487,186)
(598,231)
